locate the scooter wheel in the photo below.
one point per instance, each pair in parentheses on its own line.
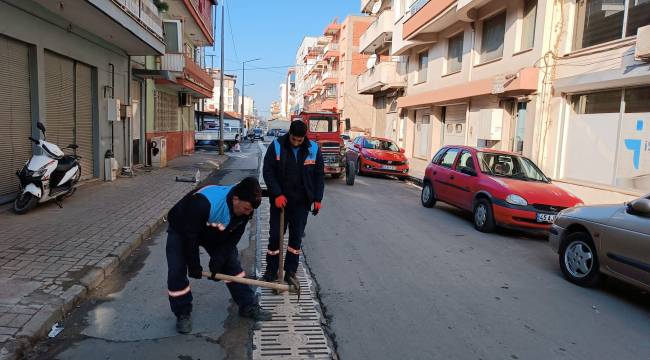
(24,202)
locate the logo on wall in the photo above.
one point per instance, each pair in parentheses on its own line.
(635,145)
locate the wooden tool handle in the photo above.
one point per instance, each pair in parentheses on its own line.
(247,281)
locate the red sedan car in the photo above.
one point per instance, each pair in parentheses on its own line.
(378,156)
(500,188)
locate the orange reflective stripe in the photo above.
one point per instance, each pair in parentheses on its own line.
(273,252)
(277,158)
(179,292)
(241,275)
(293,251)
(310,162)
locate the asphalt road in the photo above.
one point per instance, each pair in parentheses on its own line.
(399,281)
(128,317)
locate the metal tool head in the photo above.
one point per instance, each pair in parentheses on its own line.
(294,286)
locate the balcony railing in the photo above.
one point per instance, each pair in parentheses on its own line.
(380,77)
(416,6)
(374,37)
(204,9)
(144,11)
(196,74)
(172,62)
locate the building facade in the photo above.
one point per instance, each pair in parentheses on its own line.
(64,64)
(231,94)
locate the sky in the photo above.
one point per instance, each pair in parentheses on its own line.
(271,30)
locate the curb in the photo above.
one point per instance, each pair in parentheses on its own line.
(39,325)
(415,180)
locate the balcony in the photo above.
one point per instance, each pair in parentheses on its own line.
(427,18)
(366,6)
(190,77)
(378,35)
(330,77)
(332,29)
(132,25)
(381,77)
(197,15)
(331,51)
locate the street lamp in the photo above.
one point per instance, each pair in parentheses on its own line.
(243,83)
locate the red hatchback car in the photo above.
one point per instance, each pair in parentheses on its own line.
(499,188)
(378,156)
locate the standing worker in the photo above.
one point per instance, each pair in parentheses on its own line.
(294,174)
(213,217)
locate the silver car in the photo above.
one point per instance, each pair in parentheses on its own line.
(605,239)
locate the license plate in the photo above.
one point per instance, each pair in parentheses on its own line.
(388,167)
(545,218)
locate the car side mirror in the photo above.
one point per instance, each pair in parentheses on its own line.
(402,150)
(41,127)
(640,207)
(347,124)
(468,171)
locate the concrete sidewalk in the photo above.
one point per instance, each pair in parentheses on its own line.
(51,257)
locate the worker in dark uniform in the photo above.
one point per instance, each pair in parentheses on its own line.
(294,175)
(213,217)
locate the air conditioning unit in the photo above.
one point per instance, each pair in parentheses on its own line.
(173,30)
(490,124)
(642,50)
(158,151)
(185,99)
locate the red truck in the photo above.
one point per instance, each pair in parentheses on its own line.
(324,127)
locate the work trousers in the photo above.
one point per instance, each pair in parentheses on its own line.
(295,218)
(226,259)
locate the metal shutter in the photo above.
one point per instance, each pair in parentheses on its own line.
(59,99)
(15,113)
(84,118)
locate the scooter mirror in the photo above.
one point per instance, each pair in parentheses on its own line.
(41,127)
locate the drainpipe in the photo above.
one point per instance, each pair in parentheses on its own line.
(128,143)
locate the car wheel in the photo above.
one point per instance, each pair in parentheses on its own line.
(483,216)
(428,196)
(350,173)
(578,260)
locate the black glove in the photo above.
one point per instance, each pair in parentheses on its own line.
(213,278)
(195,272)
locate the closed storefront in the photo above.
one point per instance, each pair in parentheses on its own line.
(607,138)
(455,125)
(69,107)
(15,113)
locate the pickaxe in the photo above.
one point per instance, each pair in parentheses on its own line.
(270,285)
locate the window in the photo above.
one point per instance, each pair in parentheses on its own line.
(494,30)
(600,21)
(466,161)
(597,103)
(423,64)
(378,144)
(323,124)
(510,166)
(636,100)
(436,159)
(528,25)
(455,54)
(448,159)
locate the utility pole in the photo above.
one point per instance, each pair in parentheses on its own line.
(221,87)
(243,85)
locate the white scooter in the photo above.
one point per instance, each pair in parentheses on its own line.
(52,175)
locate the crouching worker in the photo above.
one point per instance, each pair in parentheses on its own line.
(213,217)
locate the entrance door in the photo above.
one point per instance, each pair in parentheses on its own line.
(15,114)
(455,125)
(136,122)
(519,128)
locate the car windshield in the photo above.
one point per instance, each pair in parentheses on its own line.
(510,166)
(377,144)
(319,124)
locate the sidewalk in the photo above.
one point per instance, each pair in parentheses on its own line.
(51,257)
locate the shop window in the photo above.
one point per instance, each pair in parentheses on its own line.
(598,103)
(455,54)
(528,25)
(492,37)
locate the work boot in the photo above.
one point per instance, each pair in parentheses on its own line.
(291,278)
(270,276)
(255,312)
(184,324)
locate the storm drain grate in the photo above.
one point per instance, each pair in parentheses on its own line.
(295,332)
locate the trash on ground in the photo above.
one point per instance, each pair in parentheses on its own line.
(56,330)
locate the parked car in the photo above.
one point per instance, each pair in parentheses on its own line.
(608,239)
(374,155)
(499,188)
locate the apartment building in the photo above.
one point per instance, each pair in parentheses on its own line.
(231,93)
(64,64)
(305,57)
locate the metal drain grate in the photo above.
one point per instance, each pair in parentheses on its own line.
(295,332)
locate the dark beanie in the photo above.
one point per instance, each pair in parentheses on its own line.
(298,128)
(249,190)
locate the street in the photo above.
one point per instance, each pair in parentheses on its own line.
(395,280)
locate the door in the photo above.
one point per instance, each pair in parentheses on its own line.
(136,121)
(626,243)
(15,114)
(422,134)
(69,107)
(463,180)
(442,172)
(519,131)
(455,125)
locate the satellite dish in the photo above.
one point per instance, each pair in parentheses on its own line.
(372,60)
(376,7)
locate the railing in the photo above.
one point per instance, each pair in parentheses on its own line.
(172,62)
(384,73)
(197,74)
(382,24)
(416,6)
(204,9)
(145,11)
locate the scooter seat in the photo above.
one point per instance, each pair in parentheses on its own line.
(66,163)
